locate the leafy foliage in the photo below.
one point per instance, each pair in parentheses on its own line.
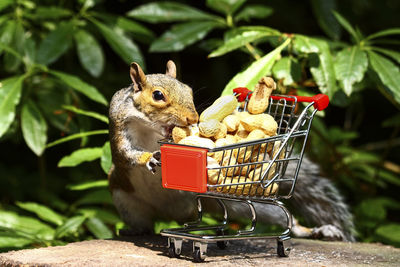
(58,60)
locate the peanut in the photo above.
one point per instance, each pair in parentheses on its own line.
(221,108)
(194,130)
(212,173)
(258,102)
(222,131)
(262,121)
(257,173)
(232,122)
(178,133)
(209,128)
(197,141)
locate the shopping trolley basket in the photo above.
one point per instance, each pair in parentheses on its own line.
(247,172)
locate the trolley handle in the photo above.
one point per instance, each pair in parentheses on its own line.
(320,101)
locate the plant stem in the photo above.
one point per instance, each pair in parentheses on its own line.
(252,51)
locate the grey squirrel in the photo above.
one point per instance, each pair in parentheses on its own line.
(145,112)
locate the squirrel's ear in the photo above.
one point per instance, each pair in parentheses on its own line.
(171,69)
(138,77)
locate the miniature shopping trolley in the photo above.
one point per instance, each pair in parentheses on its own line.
(249,172)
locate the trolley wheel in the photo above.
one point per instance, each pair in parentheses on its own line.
(171,251)
(281,250)
(197,257)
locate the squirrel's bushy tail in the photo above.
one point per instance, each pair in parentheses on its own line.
(319,201)
(315,198)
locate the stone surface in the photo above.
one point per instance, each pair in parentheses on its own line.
(152,251)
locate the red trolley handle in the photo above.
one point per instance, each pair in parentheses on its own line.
(321,101)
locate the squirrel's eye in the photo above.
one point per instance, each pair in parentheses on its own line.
(158,96)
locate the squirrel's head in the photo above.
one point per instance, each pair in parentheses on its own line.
(162,98)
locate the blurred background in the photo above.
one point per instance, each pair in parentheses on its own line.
(61,62)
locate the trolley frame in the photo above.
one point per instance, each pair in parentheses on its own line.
(293,129)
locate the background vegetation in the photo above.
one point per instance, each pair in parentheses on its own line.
(61,61)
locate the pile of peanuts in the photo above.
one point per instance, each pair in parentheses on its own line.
(222,124)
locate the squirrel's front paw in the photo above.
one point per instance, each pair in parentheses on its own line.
(154,161)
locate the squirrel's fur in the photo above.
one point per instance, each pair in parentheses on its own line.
(139,117)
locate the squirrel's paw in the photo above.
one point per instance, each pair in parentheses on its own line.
(328,232)
(154,161)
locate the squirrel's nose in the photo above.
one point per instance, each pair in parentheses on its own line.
(192,118)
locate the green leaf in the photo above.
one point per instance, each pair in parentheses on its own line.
(55,44)
(226,7)
(50,102)
(350,66)
(106,160)
(42,212)
(51,12)
(79,156)
(70,226)
(29,51)
(389,177)
(304,44)
(76,136)
(140,32)
(10,93)
(388,73)
(7,33)
(122,45)
(254,12)
(11,60)
(337,135)
(13,240)
(89,52)
(88,185)
(98,228)
(182,35)
(243,37)
(167,12)
(91,114)
(389,233)
(5,3)
(323,69)
(101,213)
(372,209)
(288,70)
(101,196)
(360,157)
(347,26)
(390,53)
(322,10)
(392,31)
(27,226)
(160,225)
(75,83)
(250,76)
(34,128)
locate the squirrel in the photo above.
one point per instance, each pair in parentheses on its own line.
(146,112)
